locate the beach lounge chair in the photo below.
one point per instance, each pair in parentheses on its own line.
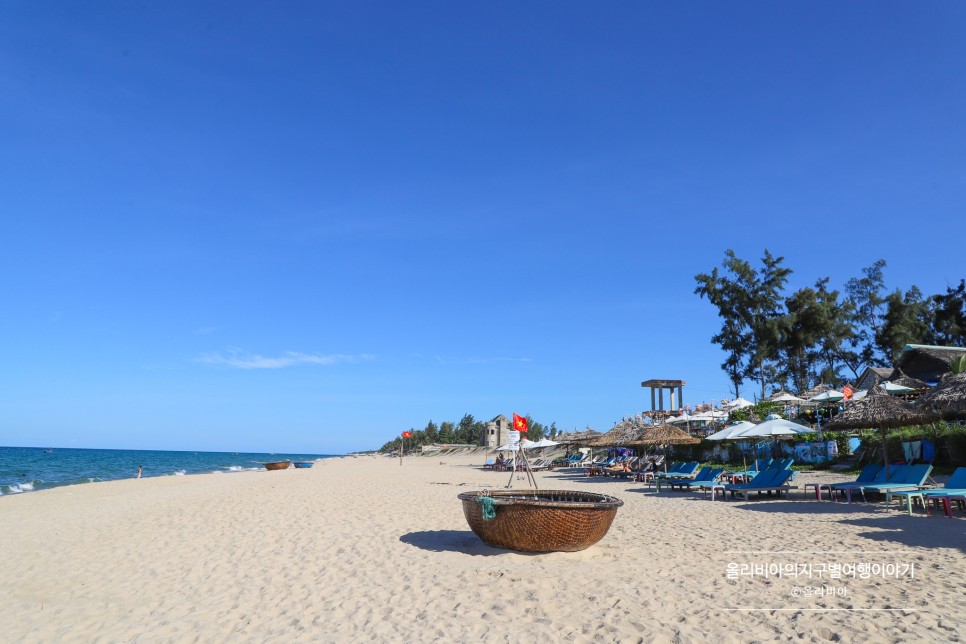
(760,465)
(881,477)
(703,472)
(707,477)
(955,486)
(867,475)
(774,479)
(911,477)
(683,471)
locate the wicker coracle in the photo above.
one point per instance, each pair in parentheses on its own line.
(278,465)
(541,520)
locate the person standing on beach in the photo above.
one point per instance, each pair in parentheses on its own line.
(139,471)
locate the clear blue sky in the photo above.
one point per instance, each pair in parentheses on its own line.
(307,226)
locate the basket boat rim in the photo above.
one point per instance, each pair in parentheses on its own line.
(531,498)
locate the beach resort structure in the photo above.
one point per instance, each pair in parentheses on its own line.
(496,432)
(657,388)
(926,362)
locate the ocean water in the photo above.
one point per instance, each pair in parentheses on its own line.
(26,469)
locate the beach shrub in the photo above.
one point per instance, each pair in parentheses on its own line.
(955,439)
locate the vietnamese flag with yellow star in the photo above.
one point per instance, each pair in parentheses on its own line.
(520,424)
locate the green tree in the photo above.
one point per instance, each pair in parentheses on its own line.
(866,297)
(749,303)
(447,433)
(468,430)
(431,432)
(535,431)
(906,321)
(815,334)
(948,320)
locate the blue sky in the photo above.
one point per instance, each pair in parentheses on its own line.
(307,226)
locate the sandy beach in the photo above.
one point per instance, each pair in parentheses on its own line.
(367,549)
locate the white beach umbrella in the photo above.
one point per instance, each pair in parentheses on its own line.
(711,414)
(787,397)
(731,431)
(543,442)
(774,428)
(828,396)
(893,388)
(683,418)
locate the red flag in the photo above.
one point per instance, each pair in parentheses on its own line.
(848,392)
(407,434)
(520,424)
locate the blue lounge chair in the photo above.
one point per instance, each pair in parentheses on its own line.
(910,477)
(761,478)
(699,483)
(867,475)
(955,486)
(700,476)
(760,465)
(684,471)
(774,479)
(881,477)
(673,468)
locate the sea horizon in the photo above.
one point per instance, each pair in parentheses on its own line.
(29,469)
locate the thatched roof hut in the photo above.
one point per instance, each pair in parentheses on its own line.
(928,362)
(899,377)
(664,435)
(622,434)
(578,438)
(880,410)
(948,398)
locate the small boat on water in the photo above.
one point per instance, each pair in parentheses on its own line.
(278,465)
(302,465)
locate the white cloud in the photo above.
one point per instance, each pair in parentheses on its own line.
(236,359)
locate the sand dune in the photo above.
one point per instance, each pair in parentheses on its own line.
(366,549)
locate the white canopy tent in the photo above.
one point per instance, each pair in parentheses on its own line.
(739,403)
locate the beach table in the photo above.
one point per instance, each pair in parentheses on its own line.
(919,493)
(818,490)
(948,503)
(720,488)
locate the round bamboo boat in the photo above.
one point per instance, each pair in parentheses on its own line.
(279,465)
(541,520)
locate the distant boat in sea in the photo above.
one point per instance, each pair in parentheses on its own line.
(302,465)
(278,465)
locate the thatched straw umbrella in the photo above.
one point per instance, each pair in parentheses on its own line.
(622,434)
(664,435)
(578,438)
(948,398)
(882,411)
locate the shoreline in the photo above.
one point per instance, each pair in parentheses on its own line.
(363,547)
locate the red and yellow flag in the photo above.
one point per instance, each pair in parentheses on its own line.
(520,424)
(848,392)
(407,434)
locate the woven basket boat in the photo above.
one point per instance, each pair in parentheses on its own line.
(541,520)
(302,464)
(280,465)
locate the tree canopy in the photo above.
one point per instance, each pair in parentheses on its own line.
(817,334)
